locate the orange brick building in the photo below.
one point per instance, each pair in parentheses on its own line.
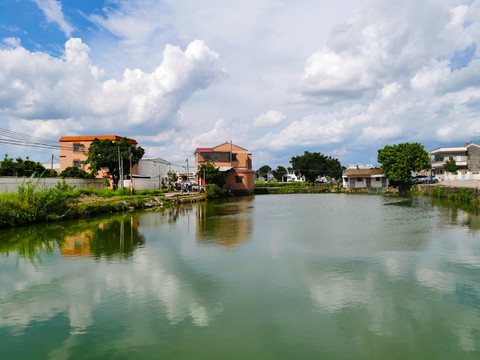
(235,161)
(73,151)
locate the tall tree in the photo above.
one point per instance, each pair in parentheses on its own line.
(264,171)
(312,165)
(451,165)
(279,173)
(104,155)
(212,174)
(399,161)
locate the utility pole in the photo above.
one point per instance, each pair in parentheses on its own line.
(131,178)
(231,149)
(120,168)
(51,170)
(188,169)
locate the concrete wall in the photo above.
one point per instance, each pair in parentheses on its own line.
(460,176)
(143,184)
(155,168)
(473,157)
(10,183)
(362,183)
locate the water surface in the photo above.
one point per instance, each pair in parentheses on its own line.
(267,277)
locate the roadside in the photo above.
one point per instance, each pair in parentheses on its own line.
(459,184)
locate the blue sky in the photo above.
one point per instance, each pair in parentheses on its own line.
(276,77)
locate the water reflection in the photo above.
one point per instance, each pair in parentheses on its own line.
(225,224)
(457,216)
(95,274)
(108,238)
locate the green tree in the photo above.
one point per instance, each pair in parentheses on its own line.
(104,155)
(172,176)
(75,172)
(451,165)
(212,174)
(311,165)
(279,173)
(264,171)
(20,167)
(399,161)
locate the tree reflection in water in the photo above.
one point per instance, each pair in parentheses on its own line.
(112,237)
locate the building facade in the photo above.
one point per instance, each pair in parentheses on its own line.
(363,176)
(73,151)
(235,161)
(467,159)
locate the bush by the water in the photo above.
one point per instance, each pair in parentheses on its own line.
(29,205)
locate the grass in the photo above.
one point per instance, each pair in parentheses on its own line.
(31,205)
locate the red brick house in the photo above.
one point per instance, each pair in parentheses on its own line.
(73,151)
(235,161)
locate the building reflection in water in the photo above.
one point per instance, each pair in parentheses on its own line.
(226,224)
(116,237)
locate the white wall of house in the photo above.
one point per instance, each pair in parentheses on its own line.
(155,168)
(143,184)
(361,183)
(459,176)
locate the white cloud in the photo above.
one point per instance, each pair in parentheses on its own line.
(52,10)
(11,42)
(60,91)
(270,118)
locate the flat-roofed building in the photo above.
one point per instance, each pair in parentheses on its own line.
(73,151)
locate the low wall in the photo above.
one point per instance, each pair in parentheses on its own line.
(142,184)
(11,183)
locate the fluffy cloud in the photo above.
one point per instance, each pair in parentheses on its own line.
(52,10)
(270,118)
(382,44)
(56,92)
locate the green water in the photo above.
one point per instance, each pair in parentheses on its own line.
(319,276)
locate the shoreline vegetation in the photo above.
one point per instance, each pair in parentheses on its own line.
(30,205)
(466,198)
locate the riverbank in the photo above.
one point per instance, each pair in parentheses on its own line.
(29,206)
(457,195)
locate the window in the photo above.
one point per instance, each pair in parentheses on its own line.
(359,179)
(459,158)
(215,157)
(207,157)
(77,163)
(377,179)
(238,180)
(78,148)
(234,157)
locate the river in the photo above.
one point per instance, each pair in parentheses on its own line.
(305,276)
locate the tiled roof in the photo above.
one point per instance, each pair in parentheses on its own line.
(355,173)
(91,138)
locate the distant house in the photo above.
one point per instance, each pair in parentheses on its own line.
(73,151)
(291,177)
(467,159)
(235,161)
(364,176)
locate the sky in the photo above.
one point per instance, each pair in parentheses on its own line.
(276,77)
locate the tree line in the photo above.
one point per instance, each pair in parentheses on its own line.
(398,162)
(101,155)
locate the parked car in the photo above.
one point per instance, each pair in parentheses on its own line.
(424,179)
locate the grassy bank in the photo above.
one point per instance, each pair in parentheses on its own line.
(298,188)
(469,197)
(30,205)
